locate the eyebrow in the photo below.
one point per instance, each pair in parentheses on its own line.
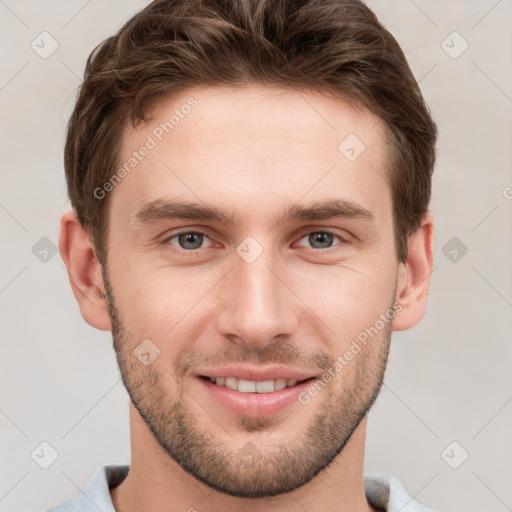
(159,210)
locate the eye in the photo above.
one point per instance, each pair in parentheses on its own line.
(321,239)
(187,240)
(193,240)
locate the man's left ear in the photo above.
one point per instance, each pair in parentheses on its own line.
(413,279)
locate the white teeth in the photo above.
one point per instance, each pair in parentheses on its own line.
(251,386)
(265,386)
(279,384)
(231,383)
(246,386)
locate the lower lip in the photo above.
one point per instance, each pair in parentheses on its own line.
(254,405)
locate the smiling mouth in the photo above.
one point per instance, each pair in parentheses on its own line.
(253,386)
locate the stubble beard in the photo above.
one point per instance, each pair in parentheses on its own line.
(259,468)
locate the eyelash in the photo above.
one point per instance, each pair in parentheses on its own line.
(198,232)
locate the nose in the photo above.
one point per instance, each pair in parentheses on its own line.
(257,302)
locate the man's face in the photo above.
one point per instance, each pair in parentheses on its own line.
(287,293)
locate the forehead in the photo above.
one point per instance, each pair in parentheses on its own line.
(253,149)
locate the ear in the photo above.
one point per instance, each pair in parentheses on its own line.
(413,278)
(84,271)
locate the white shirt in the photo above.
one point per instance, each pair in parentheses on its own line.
(382,491)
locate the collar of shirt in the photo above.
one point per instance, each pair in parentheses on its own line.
(382,491)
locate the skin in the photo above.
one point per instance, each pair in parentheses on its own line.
(251,152)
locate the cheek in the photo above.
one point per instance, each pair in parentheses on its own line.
(161,303)
(165,303)
(347,299)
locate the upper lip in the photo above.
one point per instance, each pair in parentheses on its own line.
(255,373)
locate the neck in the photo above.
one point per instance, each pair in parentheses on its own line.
(156,482)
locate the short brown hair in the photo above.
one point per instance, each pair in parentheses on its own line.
(331,45)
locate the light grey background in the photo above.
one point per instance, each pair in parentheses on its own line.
(448,378)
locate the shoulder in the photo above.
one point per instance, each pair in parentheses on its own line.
(96,492)
(387,492)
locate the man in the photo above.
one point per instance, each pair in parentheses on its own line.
(250,183)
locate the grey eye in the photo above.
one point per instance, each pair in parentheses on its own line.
(324,239)
(189,240)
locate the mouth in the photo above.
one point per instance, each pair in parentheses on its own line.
(253,398)
(254,386)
